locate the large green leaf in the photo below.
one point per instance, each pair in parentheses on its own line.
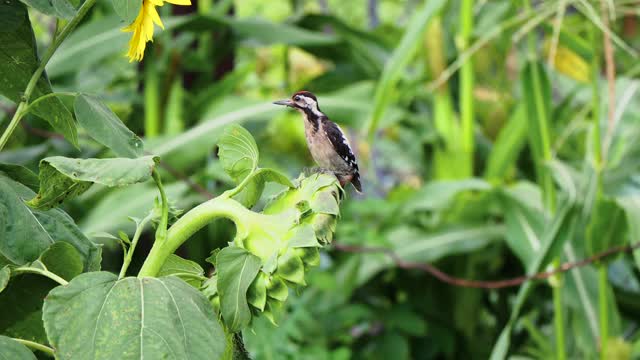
(19,61)
(399,60)
(105,127)
(127,9)
(59,8)
(64,178)
(13,350)
(25,232)
(236,269)
(98,316)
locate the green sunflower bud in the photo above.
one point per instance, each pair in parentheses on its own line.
(283,242)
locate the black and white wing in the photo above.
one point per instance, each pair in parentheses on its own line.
(343,148)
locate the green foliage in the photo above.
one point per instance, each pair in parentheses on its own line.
(136,318)
(20,60)
(491,153)
(238,268)
(64,178)
(11,349)
(127,10)
(105,127)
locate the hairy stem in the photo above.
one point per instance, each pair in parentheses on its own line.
(20,111)
(36,346)
(187,225)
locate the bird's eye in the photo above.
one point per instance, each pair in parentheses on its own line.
(297,98)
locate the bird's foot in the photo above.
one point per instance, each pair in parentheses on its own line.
(316,170)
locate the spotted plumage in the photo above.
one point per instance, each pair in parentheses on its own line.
(327,142)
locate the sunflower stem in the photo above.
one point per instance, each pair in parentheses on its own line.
(187,225)
(31,85)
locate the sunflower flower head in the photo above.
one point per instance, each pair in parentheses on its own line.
(142,26)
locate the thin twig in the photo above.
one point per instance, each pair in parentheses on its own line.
(483,284)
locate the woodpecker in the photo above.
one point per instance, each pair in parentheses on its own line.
(327,142)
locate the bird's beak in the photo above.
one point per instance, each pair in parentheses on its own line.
(286,102)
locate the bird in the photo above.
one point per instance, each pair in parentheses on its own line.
(327,143)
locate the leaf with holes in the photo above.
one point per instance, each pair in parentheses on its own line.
(98,317)
(64,178)
(25,233)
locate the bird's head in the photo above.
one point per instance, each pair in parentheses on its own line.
(301,100)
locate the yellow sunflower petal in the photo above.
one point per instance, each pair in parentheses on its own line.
(153,15)
(179,2)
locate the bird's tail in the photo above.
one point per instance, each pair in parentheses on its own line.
(356,182)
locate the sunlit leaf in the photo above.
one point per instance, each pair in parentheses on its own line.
(65,178)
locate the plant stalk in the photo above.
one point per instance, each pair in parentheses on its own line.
(604,309)
(161,232)
(43,272)
(132,248)
(545,180)
(31,85)
(466,88)
(151,97)
(36,346)
(187,225)
(558,320)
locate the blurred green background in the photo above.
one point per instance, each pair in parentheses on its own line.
(484,132)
